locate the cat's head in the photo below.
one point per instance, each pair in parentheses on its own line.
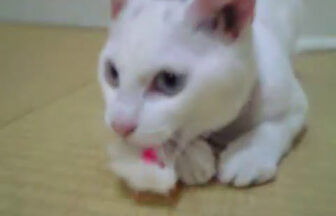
(175,67)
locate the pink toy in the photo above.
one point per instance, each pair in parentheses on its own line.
(149,156)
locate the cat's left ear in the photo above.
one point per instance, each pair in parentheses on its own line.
(116,7)
(222,17)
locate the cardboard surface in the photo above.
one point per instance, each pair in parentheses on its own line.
(52,157)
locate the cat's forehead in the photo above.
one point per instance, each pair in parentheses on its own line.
(144,33)
(150,19)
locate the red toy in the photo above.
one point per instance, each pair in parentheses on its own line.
(149,156)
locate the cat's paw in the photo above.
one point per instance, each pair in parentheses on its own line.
(245,168)
(196,165)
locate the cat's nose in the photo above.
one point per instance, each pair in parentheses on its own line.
(123,129)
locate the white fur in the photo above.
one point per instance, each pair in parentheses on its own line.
(196,165)
(150,35)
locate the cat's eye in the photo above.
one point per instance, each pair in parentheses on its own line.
(111,74)
(168,82)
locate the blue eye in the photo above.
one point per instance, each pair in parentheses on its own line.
(169,83)
(112,75)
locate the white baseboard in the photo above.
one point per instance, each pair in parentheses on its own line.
(318,43)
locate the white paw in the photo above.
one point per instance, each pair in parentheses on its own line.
(196,165)
(245,168)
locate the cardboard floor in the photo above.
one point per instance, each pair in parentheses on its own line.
(52,138)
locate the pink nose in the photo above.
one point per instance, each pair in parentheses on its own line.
(123,129)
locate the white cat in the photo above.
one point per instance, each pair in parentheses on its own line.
(174,70)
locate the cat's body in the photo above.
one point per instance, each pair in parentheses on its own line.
(243,84)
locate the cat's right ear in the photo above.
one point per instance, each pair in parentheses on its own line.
(227,18)
(116,7)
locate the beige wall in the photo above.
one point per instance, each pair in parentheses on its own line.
(63,12)
(319,19)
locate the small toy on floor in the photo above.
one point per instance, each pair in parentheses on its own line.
(149,155)
(150,197)
(144,171)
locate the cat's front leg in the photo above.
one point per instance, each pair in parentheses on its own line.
(254,157)
(196,164)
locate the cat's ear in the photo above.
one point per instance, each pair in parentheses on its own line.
(116,7)
(224,17)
